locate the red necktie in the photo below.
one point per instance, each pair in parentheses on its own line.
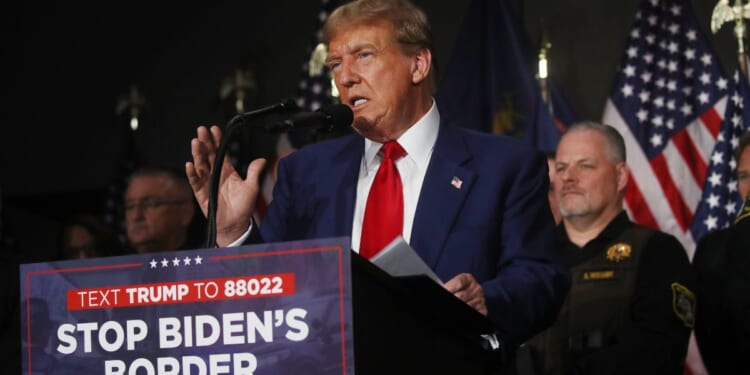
(384,213)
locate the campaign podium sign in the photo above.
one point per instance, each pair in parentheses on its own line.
(281,308)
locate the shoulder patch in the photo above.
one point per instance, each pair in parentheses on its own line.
(683,304)
(619,252)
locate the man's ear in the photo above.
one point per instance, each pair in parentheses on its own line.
(622,175)
(421,65)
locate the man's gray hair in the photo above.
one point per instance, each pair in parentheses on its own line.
(615,142)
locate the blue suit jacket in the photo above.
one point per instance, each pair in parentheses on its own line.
(497,226)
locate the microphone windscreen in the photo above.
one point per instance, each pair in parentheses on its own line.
(341,115)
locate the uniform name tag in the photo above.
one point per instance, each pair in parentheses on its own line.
(598,275)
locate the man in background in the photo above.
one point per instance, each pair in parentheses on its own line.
(631,304)
(160,213)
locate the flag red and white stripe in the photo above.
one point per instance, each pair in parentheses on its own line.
(669,101)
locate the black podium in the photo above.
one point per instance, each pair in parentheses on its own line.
(411,325)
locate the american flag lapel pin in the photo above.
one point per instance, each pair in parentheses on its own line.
(456,182)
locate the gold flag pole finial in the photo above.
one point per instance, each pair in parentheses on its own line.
(238,86)
(542,67)
(133,102)
(722,13)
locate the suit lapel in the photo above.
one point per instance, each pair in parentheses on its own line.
(445,187)
(344,185)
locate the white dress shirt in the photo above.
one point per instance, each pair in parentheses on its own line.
(418,141)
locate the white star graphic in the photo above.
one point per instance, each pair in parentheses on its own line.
(650,38)
(735,141)
(642,115)
(706,59)
(629,70)
(652,20)
(648,58)
(705,78)
(717,157)
(164,262)
(686,109)
(674,28)
(691,35)
(672,66)
(732,185)
(657,121)
(703,97)
(672,47)
(676,10)
(632,52)
(736,120)
(176,262)
(635,34)
(198,260)
(659,101)
(713,201)
(660,82)
(627,90)
(710,222)
(656,140)
(186,260)
(721,84)
(689,54)
(153,263)
(730,208)
(715,179)
(644,96)
(688,72)
(670,104)
(670,124)
(736,98)
(671,85)
(646,77)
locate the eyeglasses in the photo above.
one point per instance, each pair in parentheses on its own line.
(151,204)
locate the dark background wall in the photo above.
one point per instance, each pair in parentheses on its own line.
(66,64)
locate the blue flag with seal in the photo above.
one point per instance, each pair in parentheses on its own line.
(489,83)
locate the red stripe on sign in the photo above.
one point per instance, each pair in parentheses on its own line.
(638,207)
(680,210)
(691,156)
(219,289)
(712,121)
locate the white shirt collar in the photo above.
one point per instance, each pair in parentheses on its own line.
(417,141)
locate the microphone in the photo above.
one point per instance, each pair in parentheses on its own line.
(285,106)
(326,119)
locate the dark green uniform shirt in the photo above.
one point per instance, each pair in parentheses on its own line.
(643,299)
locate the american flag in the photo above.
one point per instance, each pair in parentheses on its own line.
(314,88)
(721,201)
(313,91)
(668,102)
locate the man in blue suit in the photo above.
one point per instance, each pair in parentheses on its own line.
(474,206)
